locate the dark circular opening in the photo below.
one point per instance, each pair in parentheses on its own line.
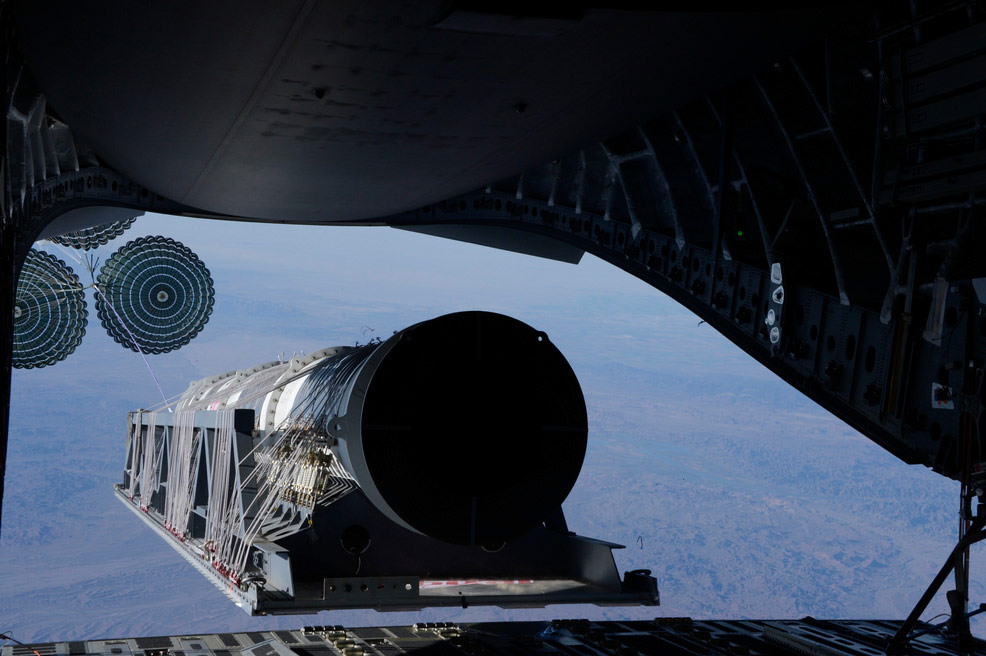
(162,296)
(475,430)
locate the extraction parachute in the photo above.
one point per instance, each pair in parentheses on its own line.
(153,295)
(49,312)
(90,238)
(408,470)
(156,291)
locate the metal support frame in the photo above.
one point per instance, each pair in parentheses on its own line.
(846,162)
(768,242)
(974,535)
(725,161)
(296,566)
(840,278)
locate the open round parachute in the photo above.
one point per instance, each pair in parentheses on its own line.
(154,290)
(49,312)
(90,238)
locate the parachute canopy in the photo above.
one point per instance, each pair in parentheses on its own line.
(49,312)
(91,238)
(154,290)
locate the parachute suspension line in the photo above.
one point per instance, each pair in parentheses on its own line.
(67,252)
(263,491)
(245,400)
(139,350)
(147,466)
(292,458)
(234,556)
(277,467)
(225,498)
(135,456)
(69,284)
(87,261)
(183,460)
(310,401)
(172,401)
(91,262)
(267,504)
(279,463)
(218,487)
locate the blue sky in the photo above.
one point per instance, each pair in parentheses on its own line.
(743,497)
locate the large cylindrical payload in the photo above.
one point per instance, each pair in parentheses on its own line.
(469,428)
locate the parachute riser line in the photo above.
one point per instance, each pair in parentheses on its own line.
(135,342)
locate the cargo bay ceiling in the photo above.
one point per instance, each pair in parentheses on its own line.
(808,181)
